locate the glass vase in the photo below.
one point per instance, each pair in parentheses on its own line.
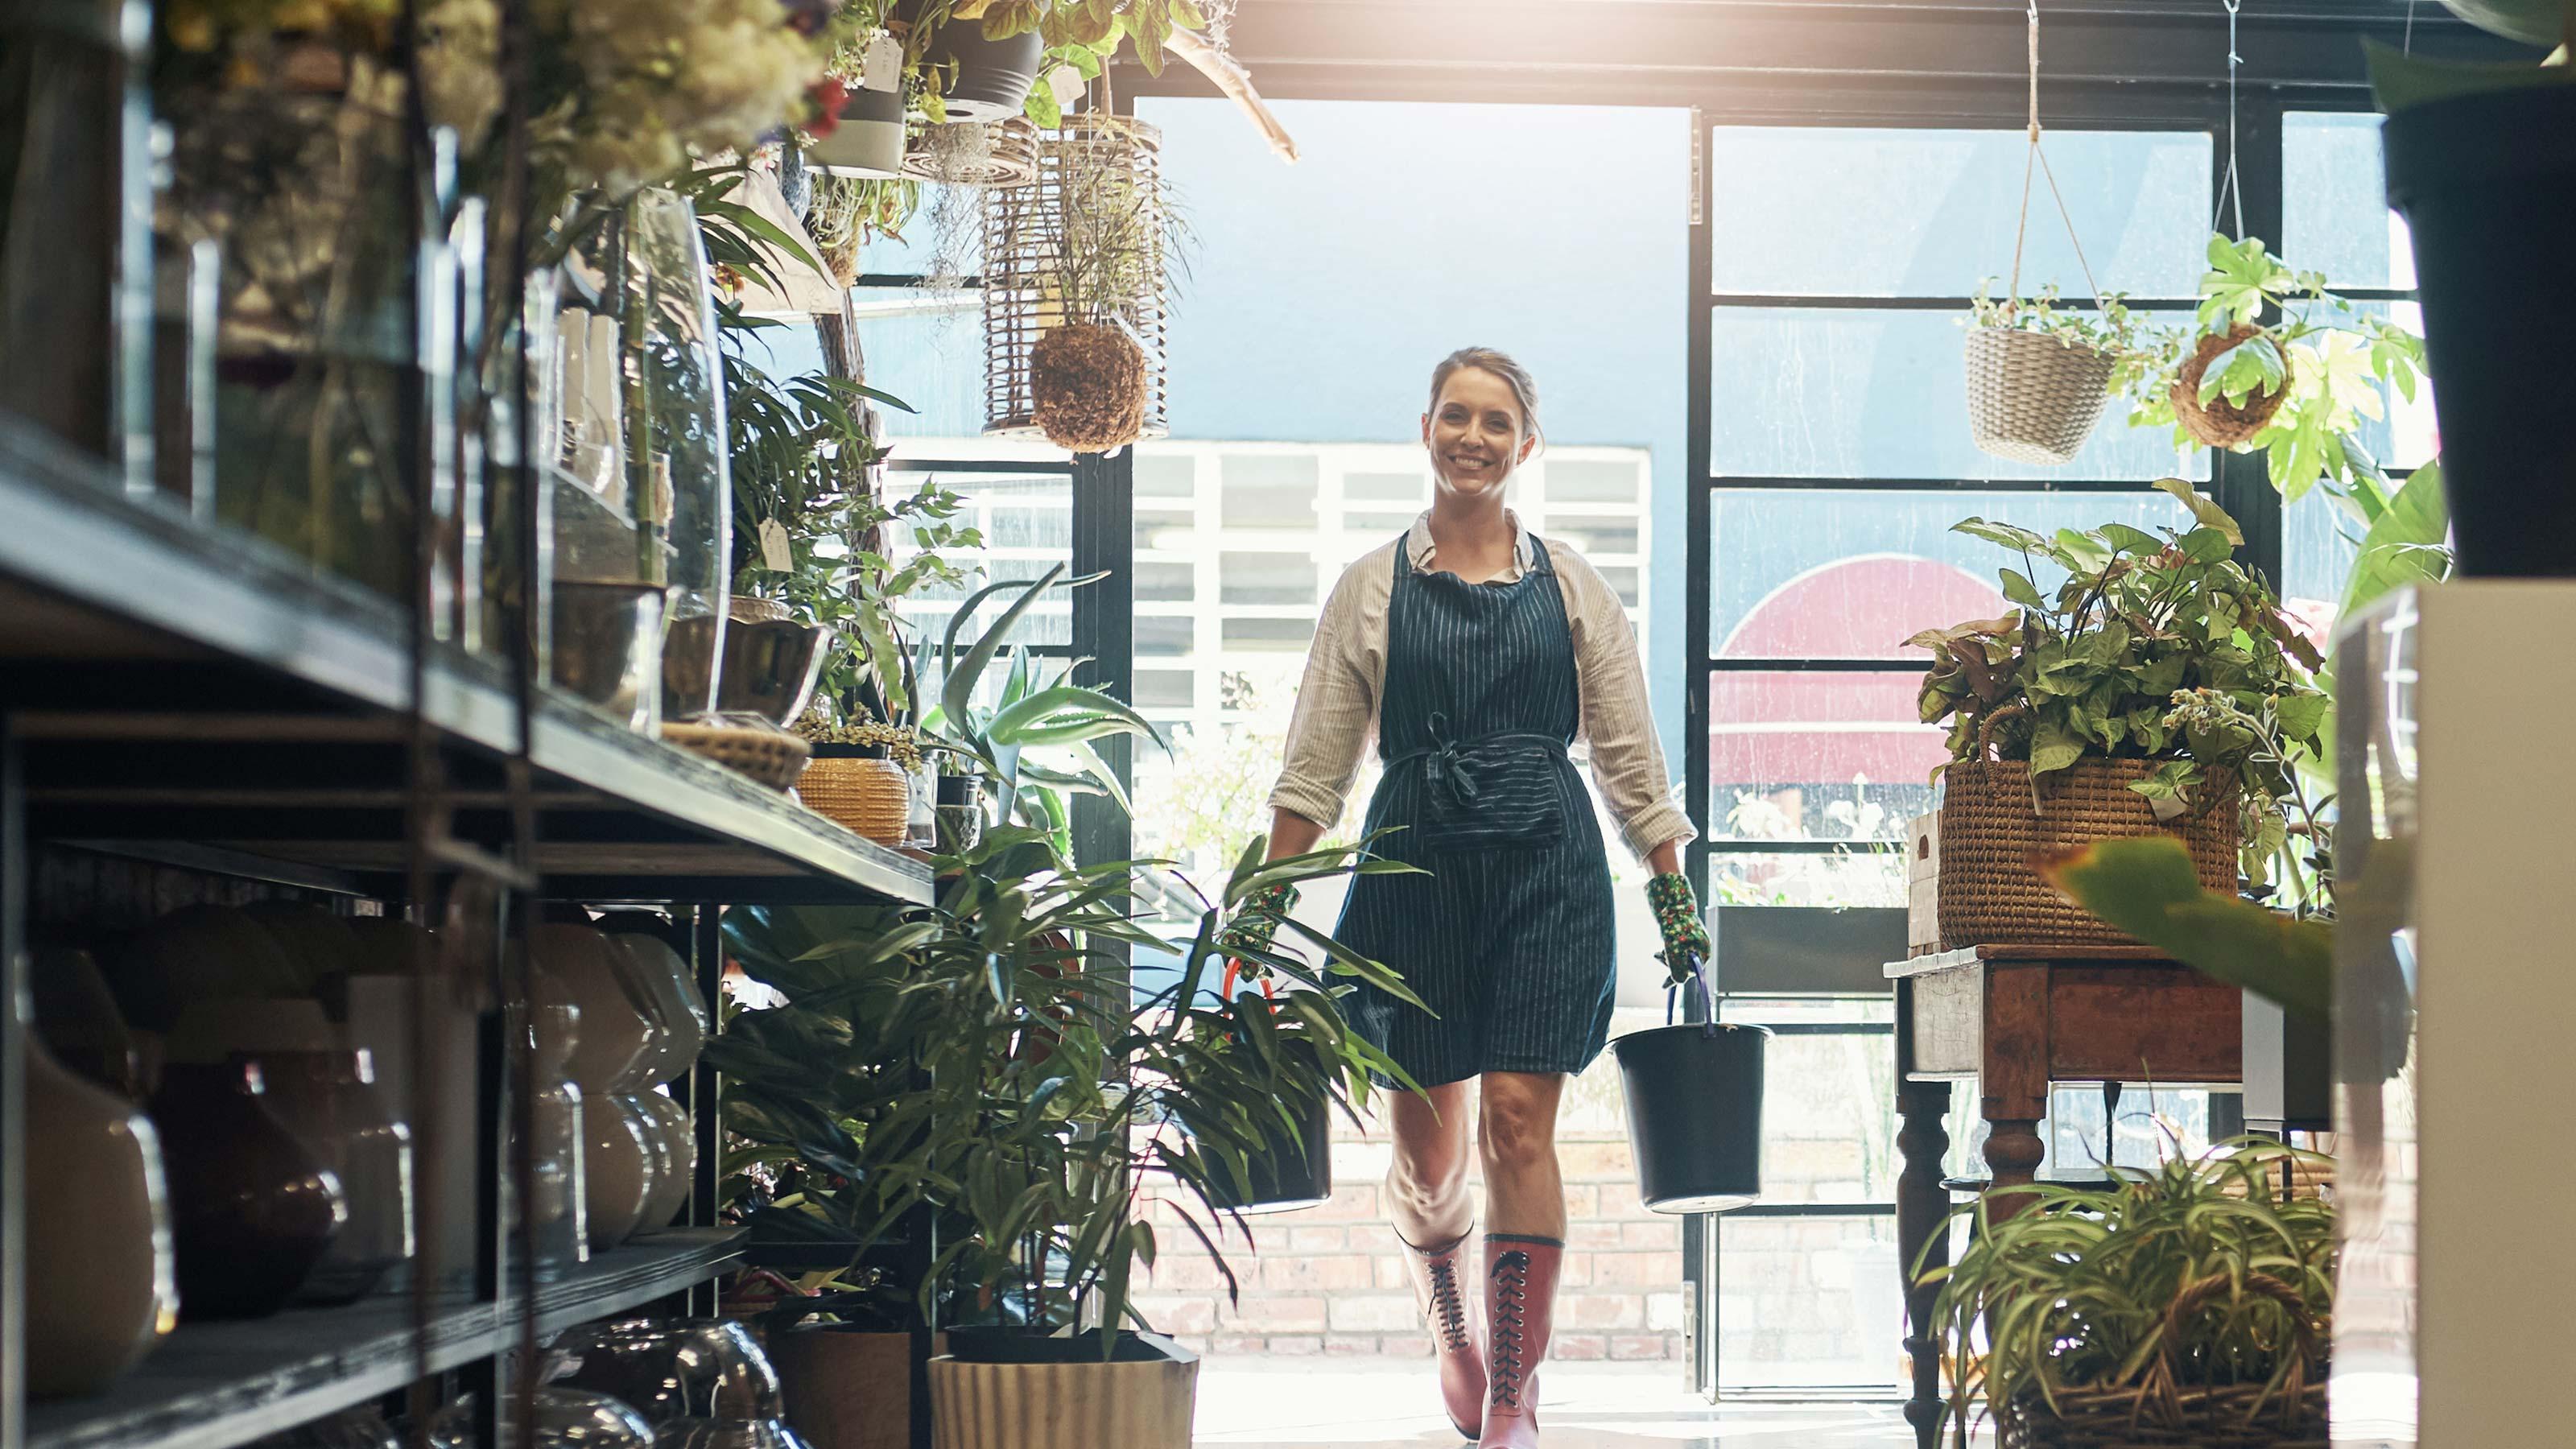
(677,454)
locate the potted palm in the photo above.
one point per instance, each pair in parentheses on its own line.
(2063,727)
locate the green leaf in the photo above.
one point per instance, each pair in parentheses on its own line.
(2020,590)
(2148,887)
(2204,509)
(2205,545)
(2404,545)
(763,228)
(958,695)
(2054,745)
(2129,540)
(2299,715)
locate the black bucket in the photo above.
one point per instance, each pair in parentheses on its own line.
(1287,1174)
(1695,1112)
(2487,184)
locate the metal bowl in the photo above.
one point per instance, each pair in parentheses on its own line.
(770,666)
(607,647)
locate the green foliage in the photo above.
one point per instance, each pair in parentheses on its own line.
(2111,328)
(2331,356)
(1083,34)
(2188,1275)
(2092,670)
(2146,886)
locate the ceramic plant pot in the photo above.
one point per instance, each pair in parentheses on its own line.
(100,1286)
(194,954)
(669,1121)
(252,1209)
(318,944)
(329,1099)
(619,1161)
(1073,1403)
(616,1029)
(991,78)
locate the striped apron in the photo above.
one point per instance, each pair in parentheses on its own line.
(1509,938)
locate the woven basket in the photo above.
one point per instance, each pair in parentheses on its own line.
(2162,1411)
(2031,397)
(1993,820)
(772,757)
(869,797)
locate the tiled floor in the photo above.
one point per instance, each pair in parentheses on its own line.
(1284,1404)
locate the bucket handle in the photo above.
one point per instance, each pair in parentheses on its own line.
(1690,994)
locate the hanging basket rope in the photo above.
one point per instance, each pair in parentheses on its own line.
(2034,398)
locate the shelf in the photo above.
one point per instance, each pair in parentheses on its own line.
(203,688)
(218,1384)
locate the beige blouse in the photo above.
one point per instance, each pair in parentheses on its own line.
(1335,719)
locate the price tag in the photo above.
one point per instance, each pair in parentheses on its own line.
(774,553)
(882,67)
(2166,809)
(1067,84)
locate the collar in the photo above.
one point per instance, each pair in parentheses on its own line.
(1418,546)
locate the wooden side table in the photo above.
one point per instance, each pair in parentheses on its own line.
(2015,1019)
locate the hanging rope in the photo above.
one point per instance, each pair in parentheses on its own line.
(2229,189)
(2037,160)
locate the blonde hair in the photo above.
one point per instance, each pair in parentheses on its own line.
(1500,364)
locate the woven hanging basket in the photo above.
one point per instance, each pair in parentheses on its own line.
(2219,423)
(1993,820)
(1089,167)
(2031,397)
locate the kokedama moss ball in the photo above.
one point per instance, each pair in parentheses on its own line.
(2220,423)
(1087,384)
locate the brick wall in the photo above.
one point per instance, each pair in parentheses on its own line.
(1331,1279)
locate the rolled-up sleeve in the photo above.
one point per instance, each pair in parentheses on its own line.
(1335,714)
(1618,717)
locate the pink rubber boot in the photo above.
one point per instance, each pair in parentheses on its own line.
(1520,1305)
(1439,1287)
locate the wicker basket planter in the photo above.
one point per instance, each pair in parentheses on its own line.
(2218,422)
(2031,397)
(770,756)
(1994,819)
(2235,1417)
(859,789)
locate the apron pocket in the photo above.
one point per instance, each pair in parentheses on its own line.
(1494,797)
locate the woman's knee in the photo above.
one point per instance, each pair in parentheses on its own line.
(1516,1128)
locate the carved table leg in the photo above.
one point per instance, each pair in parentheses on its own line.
(2013,1079)
(1922,1207)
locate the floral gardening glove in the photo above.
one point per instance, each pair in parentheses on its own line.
(1677,916)
(1255,923)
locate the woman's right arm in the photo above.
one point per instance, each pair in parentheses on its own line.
(1335,713)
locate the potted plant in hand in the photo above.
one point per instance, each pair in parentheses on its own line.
(2063,728)
(2039,374)
(2179,1305)
(2482,164)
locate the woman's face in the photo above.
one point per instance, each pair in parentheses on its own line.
(1475,433)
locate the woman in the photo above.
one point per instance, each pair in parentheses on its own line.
(1477,653)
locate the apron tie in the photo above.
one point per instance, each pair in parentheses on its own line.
(1451,772)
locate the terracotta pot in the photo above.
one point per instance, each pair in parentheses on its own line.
(329,1099)
(100,1287)
(252,1209)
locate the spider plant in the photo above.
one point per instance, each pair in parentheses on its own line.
(2191,1275)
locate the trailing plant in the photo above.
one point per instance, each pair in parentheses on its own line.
(901,745)
(2093,668)
(2109,327)
(1083,35)
(2323,357)
(2189,1275)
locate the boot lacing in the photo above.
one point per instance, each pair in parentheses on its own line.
(1448,1302)
(1509,1297)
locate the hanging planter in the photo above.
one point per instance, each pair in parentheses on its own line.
(1694,1093)
(2034,398)
(868,142)
(2037,377)
(974,78)
(1076,290)
(2223,421)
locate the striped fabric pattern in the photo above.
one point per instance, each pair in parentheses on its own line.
(1509,938)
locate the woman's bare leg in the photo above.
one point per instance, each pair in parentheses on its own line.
(1516,1133)
(1426,1187)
